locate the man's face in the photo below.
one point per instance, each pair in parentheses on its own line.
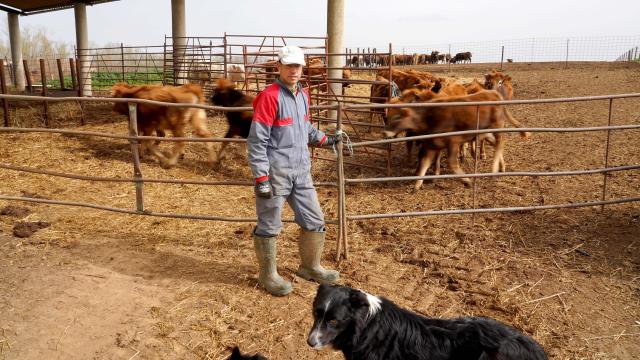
(290,74)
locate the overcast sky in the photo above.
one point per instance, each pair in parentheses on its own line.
(367,22)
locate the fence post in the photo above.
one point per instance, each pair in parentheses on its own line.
(502,58)
(72,68)
(60,74)
(43,74)
(342,210)
(137,173)
(80,91)
(122,59)
(450,56)
(566,60)
(3,88)
(475,164)
(606,155)
(27,74)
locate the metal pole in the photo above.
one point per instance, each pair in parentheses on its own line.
(5,102)
(137,173)
(342,209)
(502,58)
(390,96)
(475,164)
(566,60)
(246,73)
(606,155)
(122,60)
(43,74)
(450,57)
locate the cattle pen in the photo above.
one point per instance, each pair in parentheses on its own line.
(185,288)
(343,217)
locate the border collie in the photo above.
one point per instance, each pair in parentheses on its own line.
(237,355)
(368,327)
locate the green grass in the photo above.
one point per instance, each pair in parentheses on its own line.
(107,79)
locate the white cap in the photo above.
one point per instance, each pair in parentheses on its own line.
(291,55)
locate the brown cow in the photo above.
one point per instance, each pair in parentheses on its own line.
(497,80)
(225,94)
(433,120)
(159,118)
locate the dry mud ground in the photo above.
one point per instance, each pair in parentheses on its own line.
(102,285)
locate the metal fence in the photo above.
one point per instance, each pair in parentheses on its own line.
(566,49)
(342,181)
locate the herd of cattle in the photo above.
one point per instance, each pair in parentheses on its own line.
(369,60)
(407,86)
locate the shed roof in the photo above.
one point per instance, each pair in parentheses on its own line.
(29,7)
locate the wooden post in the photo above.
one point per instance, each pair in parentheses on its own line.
(3,88)
(60,74)
(137,173)
(43,75)
(74,80)
(27,75)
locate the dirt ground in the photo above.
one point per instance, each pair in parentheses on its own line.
(92,284)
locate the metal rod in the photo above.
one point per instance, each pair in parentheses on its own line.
(341,185)
(606,155)
(488,175)
(492,210)
(475,164)
(137,172)
(502,58)
(43,74)
(146,213)
(147,180)
(122,60)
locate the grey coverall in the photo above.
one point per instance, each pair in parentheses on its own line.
(278,152)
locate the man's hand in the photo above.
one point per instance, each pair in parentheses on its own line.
(263,189)
(331,139)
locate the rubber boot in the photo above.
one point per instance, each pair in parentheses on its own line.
(310,246)
(268,273)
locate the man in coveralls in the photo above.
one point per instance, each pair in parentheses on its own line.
(279,158)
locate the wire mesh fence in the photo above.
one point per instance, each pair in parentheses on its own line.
(602,48)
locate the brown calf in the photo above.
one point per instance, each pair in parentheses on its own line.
(434,120)
(160,118)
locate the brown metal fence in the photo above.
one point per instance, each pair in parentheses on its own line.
(342,181)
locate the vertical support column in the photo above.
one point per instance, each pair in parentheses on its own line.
(606,155)
(179,34)
(43,75)
(16,50)
(3,88)
(82,45)
(502,58)
(335,33)
(137,173)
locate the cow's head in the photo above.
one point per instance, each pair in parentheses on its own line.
(399,119)
(121,90)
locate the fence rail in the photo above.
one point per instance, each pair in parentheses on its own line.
(342,181)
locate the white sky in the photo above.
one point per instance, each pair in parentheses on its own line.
(411,23)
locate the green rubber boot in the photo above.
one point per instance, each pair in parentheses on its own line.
(310,245)
(268,273)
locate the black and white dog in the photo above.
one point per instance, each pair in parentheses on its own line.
(368,327)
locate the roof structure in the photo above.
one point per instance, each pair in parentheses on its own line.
(30,7)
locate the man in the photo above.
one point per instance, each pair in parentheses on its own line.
(280,162)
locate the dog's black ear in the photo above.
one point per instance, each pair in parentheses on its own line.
(358,299)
